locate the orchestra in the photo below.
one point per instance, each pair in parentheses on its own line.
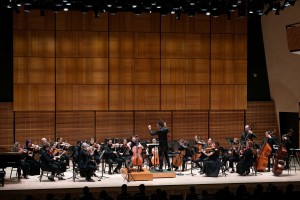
(87,156)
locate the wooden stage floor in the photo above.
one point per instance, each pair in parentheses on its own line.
(179,184)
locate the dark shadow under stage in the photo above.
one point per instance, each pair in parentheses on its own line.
(173,183)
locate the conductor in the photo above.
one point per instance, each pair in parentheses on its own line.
(162,133)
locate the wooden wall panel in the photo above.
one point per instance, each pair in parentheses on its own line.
(123,21)
(20,44)
(225,125)
(33,70)
(76,125)
(240,46)
(81,21)
(121,45)
(121,97)
(197,46)
(221,24)
(114,125)
(34,97)
(6,126)
(134,71)
(184,97)
(185,71)
(81,71)
(143,119)
(81,97)
(222,46)
(41,43)
(81,44)
(228,97)
(173,45)
(147,45)
(262,114)
(34,126)
(228,71)
(147,97)
(187,124)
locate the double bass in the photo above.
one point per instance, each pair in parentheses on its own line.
(264,153)
(280,156)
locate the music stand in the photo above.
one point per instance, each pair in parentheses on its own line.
(103,160)
(128,175)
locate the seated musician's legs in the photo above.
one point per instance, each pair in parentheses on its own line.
(54,168)
(119,162)
(197,162)
(89,171)
(65,158)
(25,166)
(110,165)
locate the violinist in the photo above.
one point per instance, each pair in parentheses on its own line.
(233,153)
(63,146)
(50,162)
(110,156)
(25,166)
(203,156)
(58,154)
(162,133)
(124,153)
(212,163)
(85,164)
(246,159)
(97,152)
(32,157)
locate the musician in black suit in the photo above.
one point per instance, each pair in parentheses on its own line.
(85,162)
(25,166)
(247,134)
(162,133)
(110,156)
(125,153)
(50,162)
(271,140)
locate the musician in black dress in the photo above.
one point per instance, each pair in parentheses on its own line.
(162,133)
(110,156)
(203,156)
(50,162)
(212,163)
(85,162)
(246,161)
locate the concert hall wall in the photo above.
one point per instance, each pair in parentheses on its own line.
(78,77)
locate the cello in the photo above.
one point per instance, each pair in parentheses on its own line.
(137,159)
(178,159)
(280,156)
(155,157)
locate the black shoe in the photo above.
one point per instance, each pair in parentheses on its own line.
(159,170)
(268,170)
(90,180)
(25,177)
(201,172)
(175,168)
(169,169)
(110,173)
(51,178)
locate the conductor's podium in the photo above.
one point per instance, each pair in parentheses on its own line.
(145,175)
